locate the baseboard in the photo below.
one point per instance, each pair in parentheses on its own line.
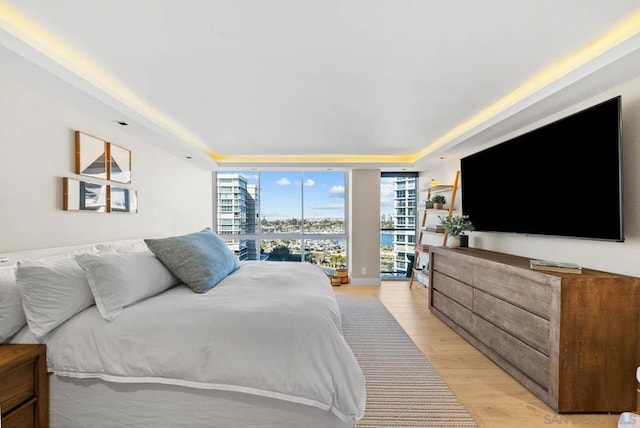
(365,281)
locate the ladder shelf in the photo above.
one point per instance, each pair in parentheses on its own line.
(420,247)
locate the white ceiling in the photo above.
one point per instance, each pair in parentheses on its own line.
(324,82)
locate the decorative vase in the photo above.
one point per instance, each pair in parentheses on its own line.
(453,242)
(438,205)
(464,241)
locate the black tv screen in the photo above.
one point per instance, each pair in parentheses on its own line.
(563,179)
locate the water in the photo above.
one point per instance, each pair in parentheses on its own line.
(386,239)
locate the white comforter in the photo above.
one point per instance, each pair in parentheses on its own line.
(271,329)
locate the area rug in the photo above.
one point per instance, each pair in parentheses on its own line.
(403,389)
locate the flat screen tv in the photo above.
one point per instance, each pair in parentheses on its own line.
(563,179)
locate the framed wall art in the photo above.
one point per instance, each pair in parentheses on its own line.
(99,159)
(119,163)
(123,200)
(81,195)
(91,156)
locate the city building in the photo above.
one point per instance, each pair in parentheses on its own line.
(253,220)
(231,213)
(404,222)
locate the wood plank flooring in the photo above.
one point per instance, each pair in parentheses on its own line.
(493,397)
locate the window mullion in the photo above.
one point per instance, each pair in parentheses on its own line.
(302,231)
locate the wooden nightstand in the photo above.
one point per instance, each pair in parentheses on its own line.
(24,386)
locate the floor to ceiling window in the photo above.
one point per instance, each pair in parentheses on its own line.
(284,216)
(397,224)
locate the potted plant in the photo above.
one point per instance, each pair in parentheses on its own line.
(438,201)
(455,225)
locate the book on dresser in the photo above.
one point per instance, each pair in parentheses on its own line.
(551,266)
(422,247)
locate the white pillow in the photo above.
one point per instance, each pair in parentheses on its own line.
(12,316)
(118,280)
(53,290)
(120,247)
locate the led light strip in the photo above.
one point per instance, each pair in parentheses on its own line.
(49,45)
(36,37)
(618,34)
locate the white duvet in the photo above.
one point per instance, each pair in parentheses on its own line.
(271,329)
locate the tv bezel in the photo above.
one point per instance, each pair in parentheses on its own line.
(621,236)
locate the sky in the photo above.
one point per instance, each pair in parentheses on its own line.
(324,192)
(386,196)
(281,194)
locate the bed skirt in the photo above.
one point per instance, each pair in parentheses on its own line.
(94,403)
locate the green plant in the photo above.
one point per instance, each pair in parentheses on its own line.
(439,199)
(456,224)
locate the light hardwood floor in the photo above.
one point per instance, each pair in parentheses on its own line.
(493,397)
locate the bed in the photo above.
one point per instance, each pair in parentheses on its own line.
(264,347)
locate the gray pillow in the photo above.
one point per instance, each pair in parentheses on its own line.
(199,259)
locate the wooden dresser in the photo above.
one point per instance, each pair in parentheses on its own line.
(24,386)
(571,339)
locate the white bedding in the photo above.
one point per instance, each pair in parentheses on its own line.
(82,403)
(269,329)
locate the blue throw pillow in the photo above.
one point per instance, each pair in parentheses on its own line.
(201,259)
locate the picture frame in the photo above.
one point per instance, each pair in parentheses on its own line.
(91,156)
(81,195)
(123,200)
(119,164)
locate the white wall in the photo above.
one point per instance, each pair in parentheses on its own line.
(364,229)
(37,149)
(623,258)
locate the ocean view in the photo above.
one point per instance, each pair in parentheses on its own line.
(386,239)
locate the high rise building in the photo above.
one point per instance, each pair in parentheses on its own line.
(404,217)
(231,212)
(253,220)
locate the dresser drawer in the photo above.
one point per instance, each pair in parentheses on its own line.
(16,385)
(528,290)
(454,289)
(530,328)
(22,417)
(523,357)
(454,311)
(454,268)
